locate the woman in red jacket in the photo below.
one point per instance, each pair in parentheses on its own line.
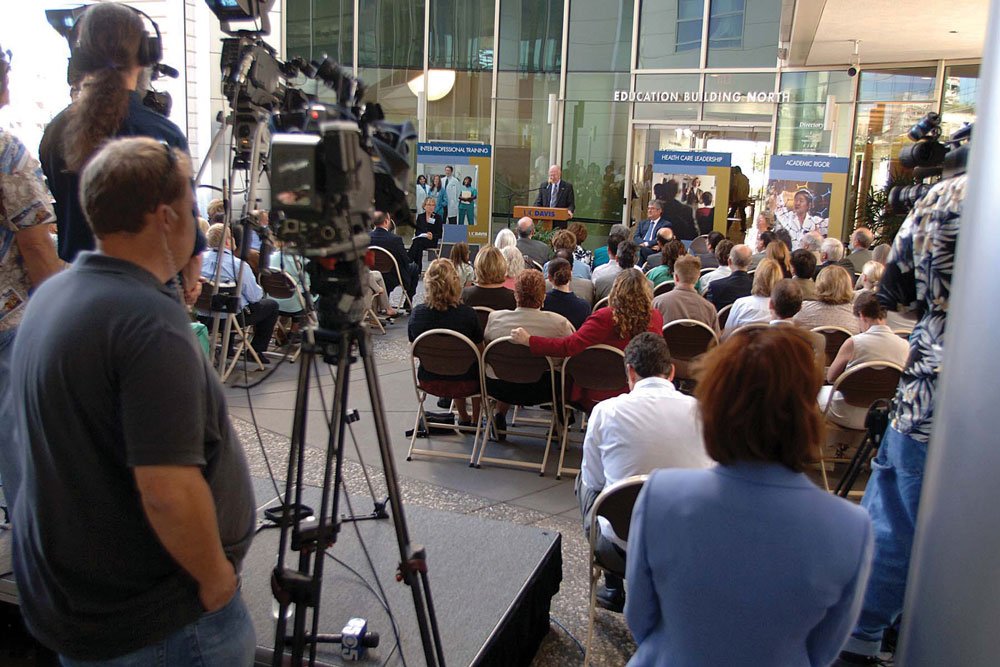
(630,312)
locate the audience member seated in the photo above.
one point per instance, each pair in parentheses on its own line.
(428,230)
(722,250)
(748,563)
(489,290)
(460,260)
(529,291)
(861,254)
(601,255)
(723,291)
(629,313)
(408,270)
(780,253)
(871,275)
(580,254)
(645,231)
(560,299)
(626,255)
(257,309)
(764,223)
(671,251)
(785,237)
(607,272)
(253,256)
(756,307)
(812,242)
(537,251)
(505,238)
(763,241)
(832,252)
(832,306)
(875,342)
(563,239)
(708,259)
(581,287)
(515,265)
(626,437)
(442,309)
(663,237)
(704,217)
(881,253)
(786,302)
(683,302)
(803,270)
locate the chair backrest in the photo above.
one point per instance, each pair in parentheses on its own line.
(511,362)
(384,261)
(445,352)
(866,383)
(688,339)
(663,288)
(748,326)
(903,333)
(204,301)
(835,337)
(454,233)
(531,264)
(615,504)
(699,246)
(598,368)
(724,315)
(483,313)
(706,270)
(279,284)
(601,304)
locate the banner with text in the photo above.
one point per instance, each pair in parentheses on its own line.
(465,193)
(807,192)
(702,183)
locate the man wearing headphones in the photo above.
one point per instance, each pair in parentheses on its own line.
(110,48)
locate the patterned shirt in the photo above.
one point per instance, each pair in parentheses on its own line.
(923,257)
(790,221)
(24,202)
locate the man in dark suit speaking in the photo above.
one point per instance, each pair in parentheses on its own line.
(680,216)
(558,193)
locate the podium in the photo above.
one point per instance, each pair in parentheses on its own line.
(550,216)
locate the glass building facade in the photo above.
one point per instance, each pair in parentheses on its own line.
(598,86)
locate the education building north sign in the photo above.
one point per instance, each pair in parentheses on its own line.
(736,97)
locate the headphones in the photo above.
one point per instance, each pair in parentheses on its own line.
(150,45)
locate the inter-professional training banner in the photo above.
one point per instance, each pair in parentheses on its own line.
(820,182)
(702,181)
(466,160)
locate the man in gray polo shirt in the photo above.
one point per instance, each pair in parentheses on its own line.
(135,510)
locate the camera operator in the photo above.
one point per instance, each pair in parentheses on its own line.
(127,428)
(27,257)
(111,37)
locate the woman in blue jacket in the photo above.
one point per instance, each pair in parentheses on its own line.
(748,563)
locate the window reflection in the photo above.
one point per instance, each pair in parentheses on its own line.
(670,33)
(531,35)
(743,33)
(600,36)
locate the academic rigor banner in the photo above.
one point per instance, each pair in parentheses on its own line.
(807,192)
(702,182)
(466,191)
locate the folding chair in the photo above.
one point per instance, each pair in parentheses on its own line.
(204,303)
(531,264)
(705,271)
(724,315)
(860,386)
(747,327)
(835,337)
(449,353)
(597,368)
(699,246)
(483,313)
(386,263)
(615,504)
(601,304)
(663,288)
(687,340)
(283,285)
(515,363)
(903,333)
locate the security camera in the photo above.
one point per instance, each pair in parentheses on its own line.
(853,70)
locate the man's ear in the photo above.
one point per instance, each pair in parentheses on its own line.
(670,376)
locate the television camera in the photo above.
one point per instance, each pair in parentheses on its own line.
(929,157)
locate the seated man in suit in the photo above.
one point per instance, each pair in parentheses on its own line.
(429,228)
(653,426)
(725,291)
(708,259)
(678,215)
(409,270)
(646,230)
(831,251)
(257,309)
(558,193)
(536,250)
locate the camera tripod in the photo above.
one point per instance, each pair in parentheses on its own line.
(302,586)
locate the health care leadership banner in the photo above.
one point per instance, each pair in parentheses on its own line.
(702,180)
(807,192)
(468,161)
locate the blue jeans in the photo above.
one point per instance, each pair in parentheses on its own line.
(222,638)
(891,498)
(10,460)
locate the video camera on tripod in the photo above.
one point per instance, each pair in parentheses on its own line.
(929,157)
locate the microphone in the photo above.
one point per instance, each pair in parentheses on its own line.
(160,69)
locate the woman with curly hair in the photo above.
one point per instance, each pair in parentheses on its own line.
(673,249)
(442,309)
(630,312)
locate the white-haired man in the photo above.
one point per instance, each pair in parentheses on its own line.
(831,251)
(861,244)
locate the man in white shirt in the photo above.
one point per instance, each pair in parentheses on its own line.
(450,186)
(722,251)
(653,426)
